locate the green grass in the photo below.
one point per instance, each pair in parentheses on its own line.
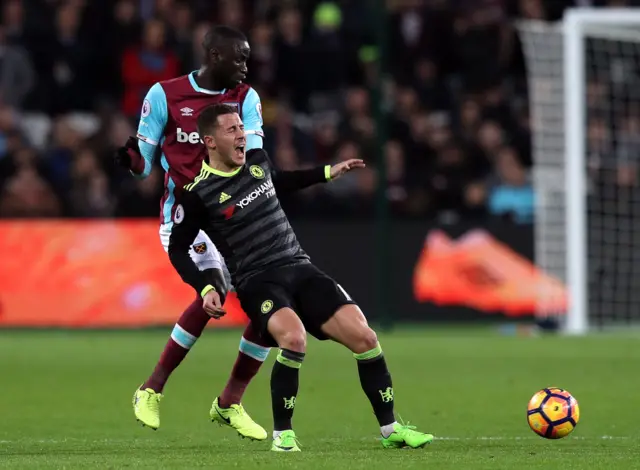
(65,402)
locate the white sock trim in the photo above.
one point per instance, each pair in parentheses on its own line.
(277,433)
(253,350)
(387,429)
(183,337)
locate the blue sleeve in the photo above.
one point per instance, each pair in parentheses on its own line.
(153,119)
(496,201)
(252,118)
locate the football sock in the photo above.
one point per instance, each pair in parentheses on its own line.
(250,358)
(284,387)
(184,335)
(376,383)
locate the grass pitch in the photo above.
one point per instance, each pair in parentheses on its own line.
(65,402)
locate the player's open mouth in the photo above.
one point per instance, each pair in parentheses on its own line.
(240,149)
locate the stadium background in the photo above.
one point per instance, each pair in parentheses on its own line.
(449,148)
(439,228)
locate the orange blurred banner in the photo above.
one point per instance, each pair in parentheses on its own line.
(480,272)
(92,274)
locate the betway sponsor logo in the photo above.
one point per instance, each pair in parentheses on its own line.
(265,188)
(192,138)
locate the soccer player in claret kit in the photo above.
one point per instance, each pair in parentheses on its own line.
(234,200)
(168,127)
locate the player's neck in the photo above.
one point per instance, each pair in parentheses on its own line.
(220,166)
(205,80)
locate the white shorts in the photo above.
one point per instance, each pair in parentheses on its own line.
(203,252)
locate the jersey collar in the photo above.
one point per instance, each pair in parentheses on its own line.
(192,80)
(226,174)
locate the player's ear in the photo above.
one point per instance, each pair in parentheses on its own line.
(214,55)
(209,141)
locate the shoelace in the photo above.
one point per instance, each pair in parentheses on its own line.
(405,426)
(294,439)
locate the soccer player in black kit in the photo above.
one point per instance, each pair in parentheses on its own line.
(234,200)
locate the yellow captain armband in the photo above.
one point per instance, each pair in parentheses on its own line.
(327,172)
(206,290)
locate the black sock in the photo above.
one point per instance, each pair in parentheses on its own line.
(284,387)
(376,383)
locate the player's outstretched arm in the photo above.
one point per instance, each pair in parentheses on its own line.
(288,181)
(342,168)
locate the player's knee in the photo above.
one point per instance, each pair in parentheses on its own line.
(366,340)
(288,331)
(295,340)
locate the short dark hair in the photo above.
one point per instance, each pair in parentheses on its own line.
(220,33)
(208,118)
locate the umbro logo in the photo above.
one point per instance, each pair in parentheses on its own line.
(224,197)
(187,111)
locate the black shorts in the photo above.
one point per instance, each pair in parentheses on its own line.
(304,288)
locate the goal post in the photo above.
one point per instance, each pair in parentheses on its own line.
(585,226)
(574,72)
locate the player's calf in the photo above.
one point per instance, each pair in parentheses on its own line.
(186,331)
(349,327)
(287,330)
(184,335)
(253,351)
(227,409)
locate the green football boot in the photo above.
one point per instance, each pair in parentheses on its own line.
(406,436)
(146,407)
(236,417)
(285,442)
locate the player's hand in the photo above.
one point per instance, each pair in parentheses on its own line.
(129,156)
(212,305)
(344,167)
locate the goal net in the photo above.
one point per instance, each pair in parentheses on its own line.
(584,93)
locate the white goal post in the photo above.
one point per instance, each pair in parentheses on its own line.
(584,92)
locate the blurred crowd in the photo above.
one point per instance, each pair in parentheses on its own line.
(453,122)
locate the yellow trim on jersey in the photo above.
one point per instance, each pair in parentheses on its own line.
(206,290)
(226,174)
(202,175)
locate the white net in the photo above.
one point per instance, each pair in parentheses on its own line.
(612,142)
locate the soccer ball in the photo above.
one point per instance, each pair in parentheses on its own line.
(553,413)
